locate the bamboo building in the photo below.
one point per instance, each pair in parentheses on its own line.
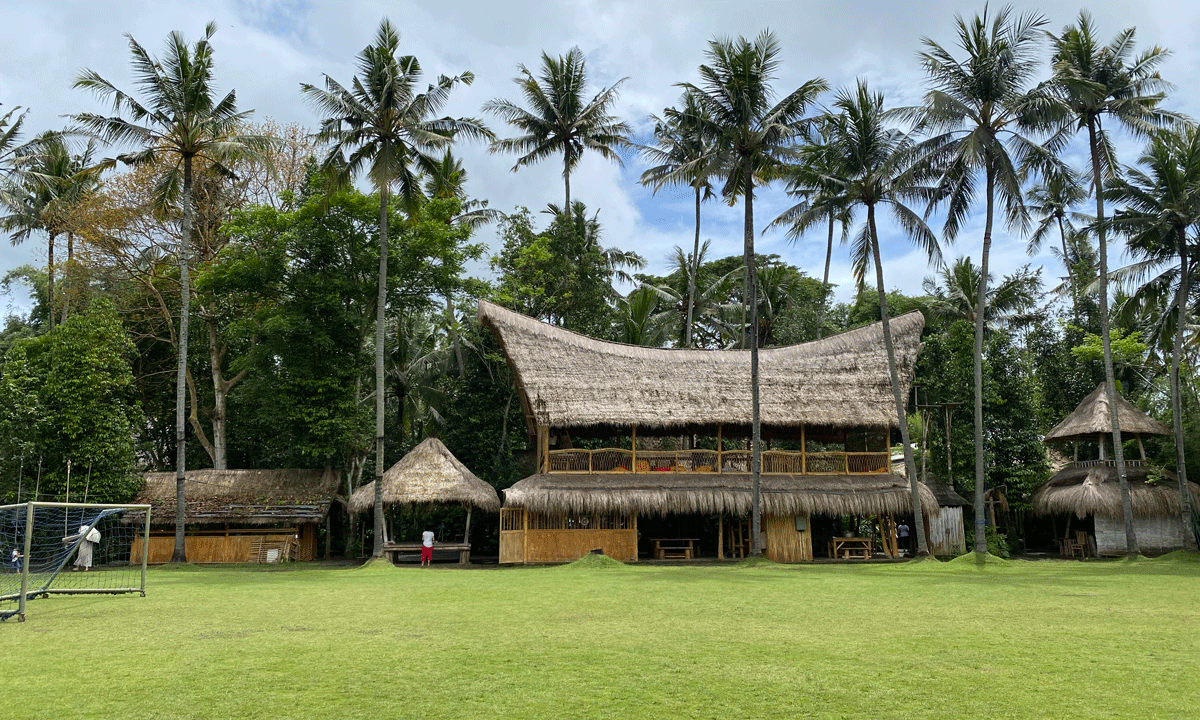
(828,402)
(238,516)
(1089,489)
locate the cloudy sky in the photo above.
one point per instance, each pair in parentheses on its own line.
(265,49)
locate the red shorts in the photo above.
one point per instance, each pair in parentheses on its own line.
(426,554)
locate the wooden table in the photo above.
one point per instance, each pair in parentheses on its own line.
(859,548)
(674,548)
(463,550)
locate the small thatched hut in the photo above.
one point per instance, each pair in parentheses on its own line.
(429,473)
(829,402)
(947,534)
(235,516)
(1090,488)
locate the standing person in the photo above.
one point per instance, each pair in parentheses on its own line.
(902,538)
(426,548)
(88,538)
(16,560)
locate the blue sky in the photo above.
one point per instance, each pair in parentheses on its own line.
(265,50)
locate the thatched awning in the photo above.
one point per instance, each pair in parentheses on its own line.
(428,474)
(568,380)
(1094,489)
(243,497)
(1092,417)
(710,493)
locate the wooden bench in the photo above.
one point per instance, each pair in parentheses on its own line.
(674,548)
(848,548)
(463,550)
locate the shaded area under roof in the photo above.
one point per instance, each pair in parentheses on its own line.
(710,493)
(429,473)
(568,380)
(1095,490)
(1092,417)
(248,497)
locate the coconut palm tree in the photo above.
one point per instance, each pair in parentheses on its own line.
(680,143)
(753,139)
(1050,201)
(179,117)
(876,167)
(979,110)
(559,118)
(383,125)
(1093,82)
(1161,202)
(956,296)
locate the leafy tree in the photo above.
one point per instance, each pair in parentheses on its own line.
(752,139)
(179,118)
(559,119)
(67,398)
(1051,201)
(1093,82)
(388,128)
(956,297)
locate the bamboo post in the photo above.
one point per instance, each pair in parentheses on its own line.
(467,531)
(720,447)
(633,445)
(803,453)
(1075,443)
(524,535)
(721,535)
(1141,447)
(543,448)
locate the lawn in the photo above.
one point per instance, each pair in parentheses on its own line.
(1048,639)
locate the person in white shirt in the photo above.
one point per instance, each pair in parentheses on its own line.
(426,548)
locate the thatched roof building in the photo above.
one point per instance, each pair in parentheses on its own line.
(428,474)
(568,380)
(710,493)
(1092,488)
(243,497)
(1092,417)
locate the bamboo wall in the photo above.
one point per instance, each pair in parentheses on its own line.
(519,543)
(1155,535)
(783,542)
(247,545)
(947,536)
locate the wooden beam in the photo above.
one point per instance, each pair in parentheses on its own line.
(721,535)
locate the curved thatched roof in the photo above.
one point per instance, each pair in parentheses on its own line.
(708,493)
(1094,489)
(569,380)
(428,474)
(1092,417)
(245,497)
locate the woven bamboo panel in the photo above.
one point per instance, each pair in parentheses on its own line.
(569,545)
(783,542)
(610,459)
(830,463)
(878,462)
(570,460)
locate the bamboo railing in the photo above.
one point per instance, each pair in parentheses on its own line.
(605,460)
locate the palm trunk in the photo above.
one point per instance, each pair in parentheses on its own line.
(1062,234)
(50,277)
(216,356)
(567,181)
(825,278)
(1110,384)
(692,271)
(452,331)
(910,467)
(755,420)
(66,294)
(380,389)
(179,555)
(1185,500)
(980,320)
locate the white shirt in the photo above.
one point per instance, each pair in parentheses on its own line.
(427,538)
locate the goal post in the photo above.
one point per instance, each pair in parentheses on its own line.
(51,548)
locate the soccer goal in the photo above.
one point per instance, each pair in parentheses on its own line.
(70,549)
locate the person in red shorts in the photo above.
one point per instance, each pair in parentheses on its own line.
(426,548)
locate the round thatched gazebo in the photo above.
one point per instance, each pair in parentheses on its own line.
(429,474)
(1091,487)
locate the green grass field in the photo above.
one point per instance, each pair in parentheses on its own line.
(1044,639)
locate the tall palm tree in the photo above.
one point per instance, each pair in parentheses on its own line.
(956,295)
(979,109)
(180,118)
(680,143)
(559,118)
(753,138)
(383,125)
(1051,201)
(876,168)
(1161,207)
(1091,82)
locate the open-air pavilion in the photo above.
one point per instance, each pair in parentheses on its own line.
(429,474)
(826,410)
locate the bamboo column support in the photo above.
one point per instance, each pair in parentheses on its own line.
(721,535)
(803,452)
(633,445)
(720,447)
(467,531)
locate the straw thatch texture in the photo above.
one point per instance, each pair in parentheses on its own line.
(1094,489)
(945,493)
(428,474)
(569,380)
(245,497)
(709,493)
(1092,417)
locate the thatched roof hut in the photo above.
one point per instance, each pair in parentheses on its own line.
(1092,417)
(428,474)
(244,497)
(1093,488)
(712,493)
(568,380)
